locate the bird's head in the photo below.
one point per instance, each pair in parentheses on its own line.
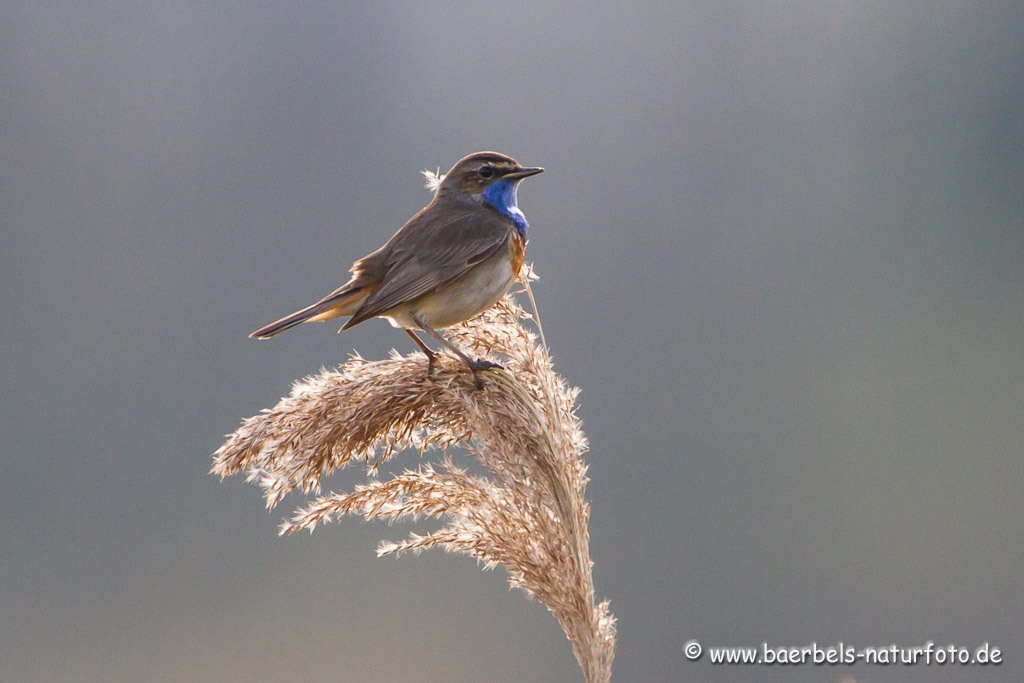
(486,177)
(485,174)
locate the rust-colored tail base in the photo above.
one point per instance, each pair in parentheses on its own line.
(341,303)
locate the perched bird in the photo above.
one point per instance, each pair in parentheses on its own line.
(452,260)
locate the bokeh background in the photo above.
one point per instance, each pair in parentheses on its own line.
(781,249)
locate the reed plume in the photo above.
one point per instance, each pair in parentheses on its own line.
(527,513)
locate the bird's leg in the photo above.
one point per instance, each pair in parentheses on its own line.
(473,365)
(426,350)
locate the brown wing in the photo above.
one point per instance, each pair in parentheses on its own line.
(438,245)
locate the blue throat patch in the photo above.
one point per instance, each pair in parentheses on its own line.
(501,196)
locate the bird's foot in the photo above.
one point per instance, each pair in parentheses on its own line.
(481,364)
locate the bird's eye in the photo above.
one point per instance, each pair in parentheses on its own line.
(486,171)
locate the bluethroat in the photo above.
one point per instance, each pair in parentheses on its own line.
(449,262)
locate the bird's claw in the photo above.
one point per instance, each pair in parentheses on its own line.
(481,364)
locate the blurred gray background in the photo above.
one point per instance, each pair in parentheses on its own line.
(781,249)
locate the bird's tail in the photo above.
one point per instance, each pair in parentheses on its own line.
(343,302)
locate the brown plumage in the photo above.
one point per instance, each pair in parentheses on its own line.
(452,260)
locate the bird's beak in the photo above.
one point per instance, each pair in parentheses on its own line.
(524,173)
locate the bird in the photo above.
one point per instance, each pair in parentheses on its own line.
(452,260)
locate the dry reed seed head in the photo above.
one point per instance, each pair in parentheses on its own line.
(527,514)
